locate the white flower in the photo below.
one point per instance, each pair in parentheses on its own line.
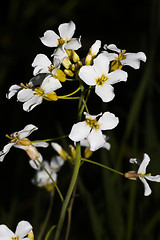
(97,75)
(23,229)
(66,32)
(106,145)
(19,140)
(33,83)
(93,51)
(123,58)
(91,129)
(42,179)
(33,97)
(141,173)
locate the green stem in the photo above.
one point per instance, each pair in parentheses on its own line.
(47,217)
(54,183)
(70,94)
(101,165)
(70,190)
(50,139)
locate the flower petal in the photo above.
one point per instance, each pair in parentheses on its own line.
(50,39)
(32,103)
(27,131)
(66,30)
(5,150)
(5,232)
(79,131)
(144,164)
(41,64)
(50,84)
(40,144)
(108,121)
(56,163)
(105,92)
(133,59)
(74,44)
(153,178)
(101,65)
(147,189)
(88,75)
(117,76)
(13,90)
(112,47)
(96,139)
(35,164)
(25,95)
(23,228)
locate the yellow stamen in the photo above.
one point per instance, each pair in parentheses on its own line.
(100,81)
(52,96)
(144,175)
(51,68)
(92,123)
(15,238)
(39,91)
(61,41)
(24,141)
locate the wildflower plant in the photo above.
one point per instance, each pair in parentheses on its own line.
(97,72)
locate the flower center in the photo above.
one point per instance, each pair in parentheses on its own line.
(144,175)
(15,238)
(60,41)
(100,81)
(121,55)
(92,123)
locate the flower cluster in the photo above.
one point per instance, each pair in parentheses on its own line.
(98,71)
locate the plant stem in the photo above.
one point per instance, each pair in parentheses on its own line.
(70,190)
(47,217)
(101,165)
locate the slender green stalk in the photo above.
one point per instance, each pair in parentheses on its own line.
(47,217)
(50,139)
(59,192)
(70,94)
(101,165)
(70,190)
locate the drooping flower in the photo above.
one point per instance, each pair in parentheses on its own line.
(98,75)
(63,41)
(22,230)
(34,96)
(141,173)
(121,58)
(19,140)
(91,129)
(42,179)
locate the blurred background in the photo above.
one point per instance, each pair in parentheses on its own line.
(107,206)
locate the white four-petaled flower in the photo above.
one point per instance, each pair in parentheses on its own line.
(98,75)
(19,140)
(141,173)
(91,129)
(130,59)
(34,96)
(63,41)
(22,230)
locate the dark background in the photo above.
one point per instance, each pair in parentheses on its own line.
(107,206)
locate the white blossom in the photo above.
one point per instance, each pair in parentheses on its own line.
(34,96)
(64,39)
(42,179)
(123,58)
(19,140)
(141,173)
(98,75)
(91,129)
(22,230)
